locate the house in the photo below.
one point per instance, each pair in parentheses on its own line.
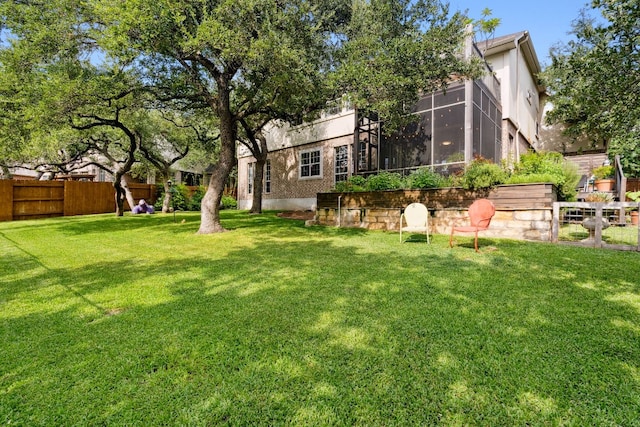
(496,117)
(515,64)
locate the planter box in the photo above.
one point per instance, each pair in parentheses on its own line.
(504,197)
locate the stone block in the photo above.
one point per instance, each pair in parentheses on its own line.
(533,215)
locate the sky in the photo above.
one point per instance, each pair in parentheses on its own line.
(548,21)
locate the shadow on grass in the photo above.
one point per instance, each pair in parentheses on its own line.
(322,326)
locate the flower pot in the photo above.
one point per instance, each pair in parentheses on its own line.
(634,217)
(604,184)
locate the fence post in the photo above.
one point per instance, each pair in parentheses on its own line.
(6,200)
(598,230)
(555,225)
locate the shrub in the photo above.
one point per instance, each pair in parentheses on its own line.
(353,183)
(425,178)
(599,196)
(603,172)
(548,167)
(530,179)
(567,188)
(182,199)
(195,202)
(384,181)
(228,202)
(482,173)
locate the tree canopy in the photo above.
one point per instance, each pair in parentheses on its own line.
(595,83)
(239,61)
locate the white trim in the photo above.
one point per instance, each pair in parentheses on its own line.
(321,161)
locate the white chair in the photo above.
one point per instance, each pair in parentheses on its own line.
(416,218)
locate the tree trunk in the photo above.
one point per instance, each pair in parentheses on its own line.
(120,197)
(127,193)
(120,185)
(166,201)
(210,214)
(258,182)
(258,177)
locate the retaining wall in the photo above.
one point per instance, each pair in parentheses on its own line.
(523,211)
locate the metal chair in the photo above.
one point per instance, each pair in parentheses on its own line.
(480,213)
(416,218)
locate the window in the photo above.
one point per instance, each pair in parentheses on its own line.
(250,173)
(311,163)
(341,160)
(332,108)
(267,176)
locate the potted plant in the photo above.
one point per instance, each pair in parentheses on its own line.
(599,197)
(603,176)
(634,196)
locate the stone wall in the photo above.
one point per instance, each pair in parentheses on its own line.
(513,219)
(534,224)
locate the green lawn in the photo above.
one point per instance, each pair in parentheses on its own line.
(139,321)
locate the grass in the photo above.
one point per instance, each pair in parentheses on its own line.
(614,235)
(139,321)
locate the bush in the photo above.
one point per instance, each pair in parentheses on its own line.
(384,181)
(228,202)
(182,199)
(353,183)
(425,178)
(530,179)
(482,173)
(603,172)
(548,167)
(195,202)
(599,196)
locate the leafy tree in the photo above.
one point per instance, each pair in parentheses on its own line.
(172,137)
(237,58)
(395,50)
(594,81)
(61,103)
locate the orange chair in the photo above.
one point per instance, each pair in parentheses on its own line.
(480,213)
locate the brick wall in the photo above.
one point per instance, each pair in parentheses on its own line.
(285,180)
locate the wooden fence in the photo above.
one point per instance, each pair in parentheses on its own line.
(43,199)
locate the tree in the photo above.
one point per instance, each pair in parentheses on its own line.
(394,51)
(62,103)
(594,80)
(235,57)
(174,136)
(254,139)
(244,60)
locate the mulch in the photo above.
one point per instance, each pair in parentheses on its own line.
(304,215)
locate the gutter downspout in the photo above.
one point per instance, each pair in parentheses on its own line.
(339,222)
(522,38)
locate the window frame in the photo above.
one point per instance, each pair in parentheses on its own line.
(341,171)
(251,170)
(267,176)
(302,166)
